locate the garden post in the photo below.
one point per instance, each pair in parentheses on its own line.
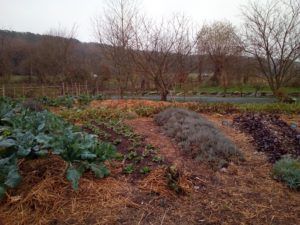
(3,91)
(63,88)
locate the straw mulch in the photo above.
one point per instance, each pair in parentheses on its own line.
(128,103)
(46,197)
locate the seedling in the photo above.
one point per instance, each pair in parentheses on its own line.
(131,155)
(138,159)
(119,156)
(146,153)
(145,170)
(129,169)
(157,158)
(117,141)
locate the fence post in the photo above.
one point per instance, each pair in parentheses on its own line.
(86,88)
(67,89)
(97,88)
(76,89)
(3,91)
(63,89)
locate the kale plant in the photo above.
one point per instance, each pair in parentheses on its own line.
(27,134)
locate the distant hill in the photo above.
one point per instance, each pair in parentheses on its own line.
(27,54)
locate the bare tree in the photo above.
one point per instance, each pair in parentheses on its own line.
(272,36)
(53,58)
(5,57)
(220,41)
(163,51)
(115,32)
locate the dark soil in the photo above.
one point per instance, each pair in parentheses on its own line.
(134,152)
(270,134)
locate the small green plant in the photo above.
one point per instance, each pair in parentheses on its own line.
(84,99)
(146,111)
(287,170)
(157,158)
(131,155)
(66,101)
(119,156)
(172,175)
(129,169)
(117,141)
(150,147)
(145,170)
(138,159)
(146,153)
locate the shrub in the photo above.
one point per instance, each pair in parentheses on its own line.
(198,137)
(66,101)
(287,170)
(33,105)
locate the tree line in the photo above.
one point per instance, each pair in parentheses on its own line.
(133,50)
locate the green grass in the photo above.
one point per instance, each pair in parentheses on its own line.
(270,108)
(246,88)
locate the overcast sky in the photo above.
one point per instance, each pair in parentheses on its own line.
(39,16)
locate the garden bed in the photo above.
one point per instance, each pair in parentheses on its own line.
(136,158)
(242,193)
(270,134)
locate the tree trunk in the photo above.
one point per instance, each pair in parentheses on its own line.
(217,77)
(121,92)
(164,95)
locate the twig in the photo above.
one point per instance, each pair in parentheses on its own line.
(162,221)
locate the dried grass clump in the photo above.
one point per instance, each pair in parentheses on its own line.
(198,137)
(158,182)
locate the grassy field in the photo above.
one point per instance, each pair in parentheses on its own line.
(247,88)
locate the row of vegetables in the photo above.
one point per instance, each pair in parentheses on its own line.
(28,134)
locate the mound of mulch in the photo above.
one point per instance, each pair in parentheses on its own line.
(128,103)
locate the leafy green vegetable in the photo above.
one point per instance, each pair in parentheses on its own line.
(30,134)
(73,175)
